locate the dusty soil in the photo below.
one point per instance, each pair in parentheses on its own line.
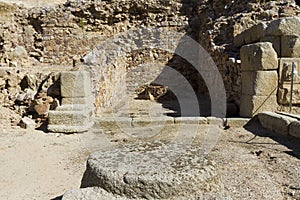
(253,164)
(34,3)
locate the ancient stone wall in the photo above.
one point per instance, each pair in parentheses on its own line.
(64,34)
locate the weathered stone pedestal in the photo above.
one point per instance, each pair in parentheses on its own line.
(77,110)
(148,171)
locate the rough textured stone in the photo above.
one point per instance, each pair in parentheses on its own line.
(150,170)
(290,46)
(82,100)
(190,120)
(258,56)
(284,26)
(236,122)
(72,118)
(275,122)
(251,105)
(251,35)
(27,123)
(260,83)
(91,194)
(75,84)
(276,43)
(294,129)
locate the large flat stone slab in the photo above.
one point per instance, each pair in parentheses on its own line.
(150,170)
(275,122)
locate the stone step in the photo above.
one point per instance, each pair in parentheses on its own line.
(70,118)
(70,129)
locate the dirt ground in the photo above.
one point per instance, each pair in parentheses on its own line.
(252,164)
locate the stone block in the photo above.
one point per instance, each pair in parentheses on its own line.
(284,26)
(251,35)
(260,83)
(75,84)
(290,46)
(276,43)
(70,118)
(275,122)
(251,105)
(191,120)
(258,56)
(69,129)
(27,123)
(236,122)
(153,121)
(294,129)
(81,100)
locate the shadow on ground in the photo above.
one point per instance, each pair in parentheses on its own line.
(290,142)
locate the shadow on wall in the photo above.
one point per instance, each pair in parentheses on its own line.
(188,93)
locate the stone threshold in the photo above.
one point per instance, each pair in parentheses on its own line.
(131,122)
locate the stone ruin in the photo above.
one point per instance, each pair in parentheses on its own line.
(267,53)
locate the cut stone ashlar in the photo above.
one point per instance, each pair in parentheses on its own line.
(75,84)
(252,105)
(260,83)
(290,46)
(259,56)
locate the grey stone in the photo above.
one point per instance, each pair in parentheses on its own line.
(70,118)
(284,26)
(251,35)
(191,120)
(27,123)
(94,193)
(275,122)
(75,84)
(251,105)
(294,129)
(144,121)
(290,46)
(258,56)
(236,122)
(70,129)
(150,170)
(276,43)
(261,83)
(81,100)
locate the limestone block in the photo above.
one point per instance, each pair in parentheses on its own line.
(275,122)
(236,122)
(75,84)
(294,129)
(285,74)
(70,118)
(290,46)
(251,105)
(276,43)
(258,56)
(251,35)
(284,26)
(81,100)
(190,120)
(69,129)
(260,83)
